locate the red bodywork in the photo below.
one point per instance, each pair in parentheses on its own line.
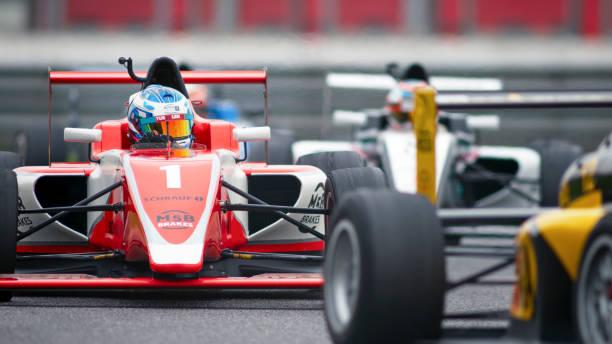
(175,214)
(264,281)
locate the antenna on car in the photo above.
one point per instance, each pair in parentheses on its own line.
(127,62)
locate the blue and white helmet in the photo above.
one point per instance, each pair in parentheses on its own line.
(158,114)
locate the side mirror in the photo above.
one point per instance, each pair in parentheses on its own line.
(252,134)
(349,118)
(82,135)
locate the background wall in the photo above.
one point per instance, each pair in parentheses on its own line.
(590,18)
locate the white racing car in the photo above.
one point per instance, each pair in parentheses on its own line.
(467,174)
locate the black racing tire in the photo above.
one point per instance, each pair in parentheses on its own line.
(556,156)
(384,270)
(32,143)
(345,180)
(330,161)
(8,224)
(596,258)
(10,160)
(280,145)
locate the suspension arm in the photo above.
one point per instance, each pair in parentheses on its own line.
(61,214)
(75,209)
(272,208)
(302,227)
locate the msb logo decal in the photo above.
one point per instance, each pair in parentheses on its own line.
(175,220)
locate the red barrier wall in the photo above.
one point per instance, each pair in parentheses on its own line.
(264,13)
(354,15)
(450,16)
(535,15)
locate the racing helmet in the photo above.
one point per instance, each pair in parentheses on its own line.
(399,102)
(160,114)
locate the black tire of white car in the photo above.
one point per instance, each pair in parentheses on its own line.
(597,258)
(384,270)
(331,161)
(555,157)
(8,222)
(345,180)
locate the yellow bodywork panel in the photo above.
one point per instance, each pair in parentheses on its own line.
(566,232)
(588,200)
(588,170)
(523,298)
(579,185)
(425,122)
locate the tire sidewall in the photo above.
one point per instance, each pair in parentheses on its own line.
(599,238)
(352,213)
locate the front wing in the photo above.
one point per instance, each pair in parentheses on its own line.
(16,282)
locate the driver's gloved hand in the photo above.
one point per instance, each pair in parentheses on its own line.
(153,138)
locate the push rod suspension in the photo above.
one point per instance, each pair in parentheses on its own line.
(475,277)
(271,256)
(271,208)
(61,214)
(302,227)
(485,217)
(75,209)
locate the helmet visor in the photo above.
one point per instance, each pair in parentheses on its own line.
(174,126)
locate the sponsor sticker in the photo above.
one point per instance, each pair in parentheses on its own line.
(175,220)
(317,201)
(23,220)
(168,117)
(172,109)
(165,198)
(318,195)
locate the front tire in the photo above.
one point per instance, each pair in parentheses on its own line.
(593,303)
(384,271)
(8,226)
(555,157)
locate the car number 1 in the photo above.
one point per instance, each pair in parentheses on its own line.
(173,176)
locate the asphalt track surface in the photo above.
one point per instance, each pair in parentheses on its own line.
(209,317)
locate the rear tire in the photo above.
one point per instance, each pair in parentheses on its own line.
(555,157)
(31,145)
(345,180)
(9,160)
(330,161)
(8,223)
(385,274)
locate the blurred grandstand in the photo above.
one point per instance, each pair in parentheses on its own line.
(580,17)
(534,44)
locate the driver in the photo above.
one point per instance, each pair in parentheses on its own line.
(399,102)
(160,114)
(401,97)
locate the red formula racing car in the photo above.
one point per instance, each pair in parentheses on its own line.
(155,215)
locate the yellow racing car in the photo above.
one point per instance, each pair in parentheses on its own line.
(564,259)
